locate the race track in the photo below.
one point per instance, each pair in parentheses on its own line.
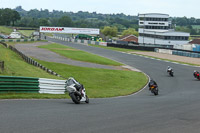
(175,110)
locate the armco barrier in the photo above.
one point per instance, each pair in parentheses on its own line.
(18,84)
(18,40)
(51,86)
(11,84)
(80,41)
(187,54)
(131,47)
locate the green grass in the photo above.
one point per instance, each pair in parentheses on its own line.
(26,32)
(101,83)
(32,96)
(5,30)
(49,34)
(196,26)
(16,66)
(79,55)
(28,42)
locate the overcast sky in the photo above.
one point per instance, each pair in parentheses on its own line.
(175,8)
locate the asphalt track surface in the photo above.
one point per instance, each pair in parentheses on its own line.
(175,110)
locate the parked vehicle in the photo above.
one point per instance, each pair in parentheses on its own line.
(15,35)
(76,91)
(4,36)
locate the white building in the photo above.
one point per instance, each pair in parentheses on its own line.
(155,28)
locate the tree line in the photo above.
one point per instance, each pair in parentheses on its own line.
(9,17)
(114,22)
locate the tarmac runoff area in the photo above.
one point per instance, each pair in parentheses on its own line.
(33,51)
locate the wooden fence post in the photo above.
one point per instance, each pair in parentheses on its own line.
(2,65)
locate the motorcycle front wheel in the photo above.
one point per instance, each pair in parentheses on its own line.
(171,74)
(87,99)
(75,98)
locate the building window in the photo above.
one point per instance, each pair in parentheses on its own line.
(180,38)
(141,18)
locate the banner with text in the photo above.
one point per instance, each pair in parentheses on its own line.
(69,30)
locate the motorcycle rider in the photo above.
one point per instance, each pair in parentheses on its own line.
(196,74)
(152,83)
(78,86)
(169,69)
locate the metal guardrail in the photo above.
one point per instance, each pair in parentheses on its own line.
(18,84)
(12,84)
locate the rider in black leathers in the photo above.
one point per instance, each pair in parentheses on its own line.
(151,83)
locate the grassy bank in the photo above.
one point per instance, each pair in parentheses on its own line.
(26,33)
(28,42)
(32,96)
(5,30)
(16,66)
(101,82)
(79,55)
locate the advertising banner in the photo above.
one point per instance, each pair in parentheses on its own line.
(69,30)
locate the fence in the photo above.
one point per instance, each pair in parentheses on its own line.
(18,40)
(2,65)
(131,47)
(30,61)
(186,53)
(12,84)
(86,42)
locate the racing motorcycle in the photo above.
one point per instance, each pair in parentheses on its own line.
(171,72)
(154,89)
(76,91)
(196,75)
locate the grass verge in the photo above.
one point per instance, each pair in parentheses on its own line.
(32,96)
(16,66)
(101,83)
(5,30)
(28,42)
(27,33)
(79,55)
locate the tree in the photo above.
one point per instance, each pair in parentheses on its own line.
(53,21)
(65,21)
(43,22)
(14,17)
(183,29)
(6,16)
(130,31)
(110,31)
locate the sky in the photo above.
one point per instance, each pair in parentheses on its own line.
(175,8)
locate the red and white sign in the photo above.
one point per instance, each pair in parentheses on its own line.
(69,30)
